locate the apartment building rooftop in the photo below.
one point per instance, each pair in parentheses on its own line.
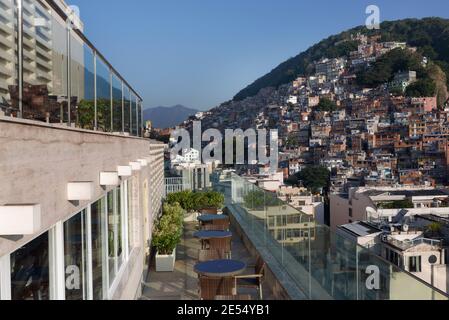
(361,229)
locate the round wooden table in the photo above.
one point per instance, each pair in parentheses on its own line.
(210,234)
(207,235)
(220,268)
(212,217)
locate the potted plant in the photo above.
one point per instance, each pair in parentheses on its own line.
(166,236)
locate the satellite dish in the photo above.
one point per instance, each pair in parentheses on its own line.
(433,259)
(405,228)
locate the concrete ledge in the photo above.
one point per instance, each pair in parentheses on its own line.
(67,128)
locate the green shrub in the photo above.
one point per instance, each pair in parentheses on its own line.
(184,198)
(190,201)
(168,231)
(214,199)
(398,204)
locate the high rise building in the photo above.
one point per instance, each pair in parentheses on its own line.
(80,188)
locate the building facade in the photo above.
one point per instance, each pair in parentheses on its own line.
(80,187)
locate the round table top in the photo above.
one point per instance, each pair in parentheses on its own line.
(220,268)
(212,217)
(209,234)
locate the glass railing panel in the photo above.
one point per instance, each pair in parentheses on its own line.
(104,108)
(127,108)
(133,114)
(59,74)
(9,90)
(45,74)
(82,75)
(117,104)
(323,264)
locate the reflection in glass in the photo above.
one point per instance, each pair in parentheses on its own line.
(139,118)
(98,248)
(111,236)
(117,104)
(75,256)
(133,114)
(9,104)
(119,227)
(30,271)
(82,75)
(44,65)
(129,188)
(127,109)
(104,114)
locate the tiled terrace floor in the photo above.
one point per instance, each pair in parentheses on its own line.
(182,284)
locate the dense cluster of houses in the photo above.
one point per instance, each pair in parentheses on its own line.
(365,136)
(388,154)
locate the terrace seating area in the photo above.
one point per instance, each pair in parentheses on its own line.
(186,284)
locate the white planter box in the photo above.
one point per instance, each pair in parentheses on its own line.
(165,263)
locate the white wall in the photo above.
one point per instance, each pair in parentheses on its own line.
(339,211)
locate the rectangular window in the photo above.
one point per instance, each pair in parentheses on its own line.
(415,264)
(30,271)
(75,257)
(98,249)
(130,215)
(111,236)
(115,232)
(350,212)
(393,257)
(119,231)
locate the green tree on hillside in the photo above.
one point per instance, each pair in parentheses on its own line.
(384,69)
(421,88)
(326,105)
(313,178)
(429,35)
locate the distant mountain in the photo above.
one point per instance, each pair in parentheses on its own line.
(429,35)
(168,117)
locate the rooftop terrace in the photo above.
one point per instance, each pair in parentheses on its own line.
(182,284)
(314,264)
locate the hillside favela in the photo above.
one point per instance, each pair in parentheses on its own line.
(326,178)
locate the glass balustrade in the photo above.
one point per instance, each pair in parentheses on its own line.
(321,263)
(66,81)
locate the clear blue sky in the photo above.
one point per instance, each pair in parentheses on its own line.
(200,53)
